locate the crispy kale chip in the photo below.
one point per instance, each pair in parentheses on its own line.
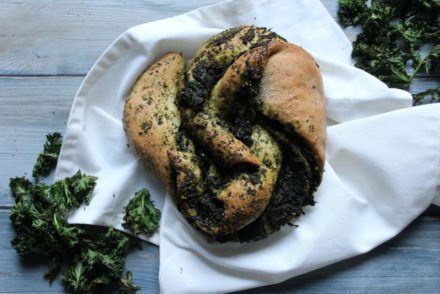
(140,214)
(94,256)
(47,160)
(393,40)
(428,96)
(39,213)
(98,261)
(352,12)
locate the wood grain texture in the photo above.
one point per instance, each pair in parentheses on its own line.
(43,37)
(25,275)
(410,263)
(406,264)
(46,48)
(30,108)
(66,37)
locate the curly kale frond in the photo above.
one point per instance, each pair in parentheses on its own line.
(39,213)
(75,279)
(21,187)
(428,96)
(73,191)
(393,36)
(47,160)
(140,214)
(352,12)
(99,262)
(95,256)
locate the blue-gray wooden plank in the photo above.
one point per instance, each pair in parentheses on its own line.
(409,263)
(24,275)
(66,37)
(31,107)
(58,41)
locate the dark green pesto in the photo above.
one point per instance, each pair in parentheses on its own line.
(183,141)
(205,74)
(290,195)
(211,63)
(267,38)
(146,126)
(241,120)
(248,37)
(288,136)
(223,37)
(299,175)
(210,211)
(297,181)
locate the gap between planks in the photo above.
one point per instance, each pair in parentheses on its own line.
(79,75)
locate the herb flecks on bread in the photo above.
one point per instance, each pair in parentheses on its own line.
(239,141)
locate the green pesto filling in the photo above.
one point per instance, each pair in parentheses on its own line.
(298,177)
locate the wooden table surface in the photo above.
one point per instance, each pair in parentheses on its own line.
(46,49)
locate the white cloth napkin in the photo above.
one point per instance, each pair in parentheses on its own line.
(383,157)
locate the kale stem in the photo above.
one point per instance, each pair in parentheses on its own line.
(417,68)
(51,155)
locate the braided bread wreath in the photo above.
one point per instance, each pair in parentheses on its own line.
(238,137)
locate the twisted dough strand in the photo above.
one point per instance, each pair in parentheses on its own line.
(245,135)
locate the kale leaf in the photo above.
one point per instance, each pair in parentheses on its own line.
(393,38)
(94,255)
(126,284)
(47,160)
(140,214)
(433,94)
(352,12)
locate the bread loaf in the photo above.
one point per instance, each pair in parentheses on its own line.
(242,138)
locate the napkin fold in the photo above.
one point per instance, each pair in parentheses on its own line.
(378,177)
(383,156)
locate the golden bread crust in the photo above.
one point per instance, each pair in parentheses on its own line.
(291,92)
(240,139)
(151,116)
(229,150)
